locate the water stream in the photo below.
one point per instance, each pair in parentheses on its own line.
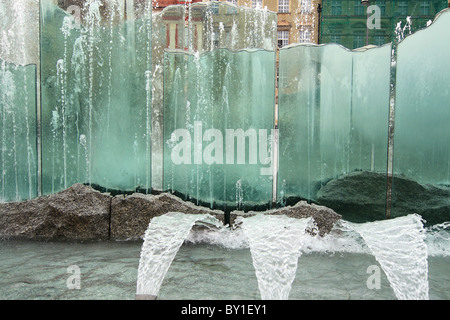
(162,240)
(398,245)
(211,264)
(275,243)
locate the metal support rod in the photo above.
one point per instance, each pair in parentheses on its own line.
(391,129)
(39,108)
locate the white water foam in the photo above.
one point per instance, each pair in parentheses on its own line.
(438,240)
(398,245)
(342,239)
(163,238)
(275,243)
(224,237)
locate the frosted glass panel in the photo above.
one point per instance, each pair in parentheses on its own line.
(202,27)
(18,152)
(160,28)
(96,95)
(298,121)
(422,123)
(335,111)
(19,25)
(207,97)
(333,120)
(370,110)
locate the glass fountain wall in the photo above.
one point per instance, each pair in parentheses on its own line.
(211,117)
(333,116)
(18,158)
(95,102)
(219,106)
(18,100)
(96,95)
(422,123)
(337,109)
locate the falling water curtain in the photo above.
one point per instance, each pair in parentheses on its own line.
(18,100)
(219,97)
(96,72)
(82,111)
(336,109)
(340,101)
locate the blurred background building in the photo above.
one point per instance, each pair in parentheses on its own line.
(326,21)
(344,21)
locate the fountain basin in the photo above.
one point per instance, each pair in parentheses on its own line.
(83,213)
(205,267)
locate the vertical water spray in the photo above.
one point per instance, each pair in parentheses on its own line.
(61,78)
(93,19)
(239,194)
(9,145)
(3,138)
(18,103)
(113,9)
(103,138)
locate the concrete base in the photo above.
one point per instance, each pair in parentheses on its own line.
(145,297)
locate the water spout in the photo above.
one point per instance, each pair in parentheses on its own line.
(162,240)
(275,244)
(398,245)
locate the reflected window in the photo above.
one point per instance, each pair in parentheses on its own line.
(358,41)
(336,8)
(256,4)
(305,6)
(283,6)
(379,40)
(283,38)
(282,78)
(358,8)
(382,6)
(403,7)
(214,8)
(335,39)
(305,36)
(425,8)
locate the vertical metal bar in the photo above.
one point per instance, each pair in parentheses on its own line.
(391,128)
(275,165)
(274,162)
(38,107)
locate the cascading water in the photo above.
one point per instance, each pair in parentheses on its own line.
(438,239)
(87,137)
(163,238)
(18,78)
(399,247)
(275,243)
(400,33)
